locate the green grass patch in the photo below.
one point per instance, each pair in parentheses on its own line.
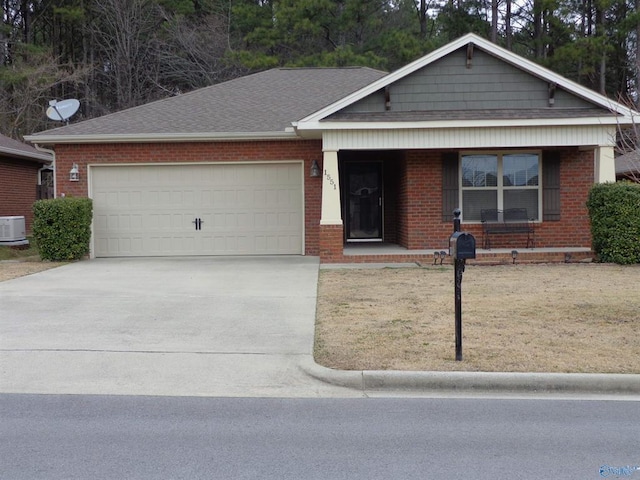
(25,253)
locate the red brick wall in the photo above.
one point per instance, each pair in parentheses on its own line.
(573,228)
(18,180)
(420,224)
(331,243)
(576,179)
(101,154)
(421,197)
(417,205)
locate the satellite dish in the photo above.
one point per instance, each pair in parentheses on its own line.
(63,110)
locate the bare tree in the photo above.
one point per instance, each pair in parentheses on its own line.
(124,32)
(28,85)
(192,53)
(637,51)
(628,151)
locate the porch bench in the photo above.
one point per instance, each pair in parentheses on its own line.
(506,222)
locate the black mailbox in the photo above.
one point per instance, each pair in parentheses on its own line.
(462,245)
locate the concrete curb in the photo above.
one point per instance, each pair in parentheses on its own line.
(490,382)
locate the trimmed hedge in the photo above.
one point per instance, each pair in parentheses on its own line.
(62,227)
(614,210)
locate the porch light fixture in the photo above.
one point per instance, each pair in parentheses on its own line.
(74,173)
(514,255)
(315,169)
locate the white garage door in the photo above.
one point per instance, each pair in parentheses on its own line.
(165,210)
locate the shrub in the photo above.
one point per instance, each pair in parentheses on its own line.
(614,210)
(62,227)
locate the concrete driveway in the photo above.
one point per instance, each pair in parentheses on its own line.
(211,326)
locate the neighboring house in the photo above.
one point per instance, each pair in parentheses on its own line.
(25,176)
(628,166)
(230,169)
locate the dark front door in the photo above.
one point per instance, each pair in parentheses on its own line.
(363,201)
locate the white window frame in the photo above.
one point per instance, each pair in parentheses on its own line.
(500,188)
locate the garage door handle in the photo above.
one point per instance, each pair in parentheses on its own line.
(198,222)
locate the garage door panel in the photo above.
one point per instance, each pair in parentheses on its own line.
(150,210)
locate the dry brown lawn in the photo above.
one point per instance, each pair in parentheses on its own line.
(516,318)
(14,269)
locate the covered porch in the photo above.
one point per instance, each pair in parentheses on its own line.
(396,206)
(469,126)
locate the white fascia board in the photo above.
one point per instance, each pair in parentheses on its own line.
(327,125)
(161,137)
(506,55)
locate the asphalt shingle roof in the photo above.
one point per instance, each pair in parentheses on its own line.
(263,102)
(15,149)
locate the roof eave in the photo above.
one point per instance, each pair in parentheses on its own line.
(36,157)
(288,134)
(457,124)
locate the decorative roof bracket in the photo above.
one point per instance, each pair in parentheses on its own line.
(552,93)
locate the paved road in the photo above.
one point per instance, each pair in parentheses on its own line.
(105,437)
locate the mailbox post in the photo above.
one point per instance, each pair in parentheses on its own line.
(462,245)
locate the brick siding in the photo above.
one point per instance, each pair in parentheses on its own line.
(573,228)
(413,192)
(416,200)
(18,180)
(105,154)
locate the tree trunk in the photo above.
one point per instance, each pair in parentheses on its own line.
(26,25)
(494,21)
(422,16)
(507,25)
(637,62)
(4,37)
(600,34)
(537,28)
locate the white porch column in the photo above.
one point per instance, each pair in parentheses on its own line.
(331,213)
(605,165)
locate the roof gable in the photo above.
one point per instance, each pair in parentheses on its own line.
(450,84)
(470,75)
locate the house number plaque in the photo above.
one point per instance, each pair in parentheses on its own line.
(330,180)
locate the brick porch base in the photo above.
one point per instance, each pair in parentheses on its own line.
(378,253)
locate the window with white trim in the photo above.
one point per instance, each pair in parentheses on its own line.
(500,181)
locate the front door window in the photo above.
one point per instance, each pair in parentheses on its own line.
(364,201)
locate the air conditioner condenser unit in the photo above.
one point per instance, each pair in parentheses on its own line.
(12,231)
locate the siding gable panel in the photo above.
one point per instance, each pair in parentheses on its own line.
(448,85)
